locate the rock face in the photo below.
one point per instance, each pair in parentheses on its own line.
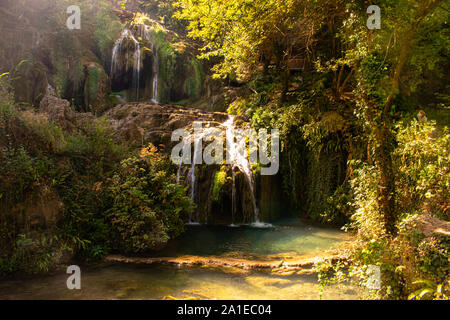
(270,196)
(44,209)
(37,49)
(140,123)
(30,83)
(96,88)
(59,111)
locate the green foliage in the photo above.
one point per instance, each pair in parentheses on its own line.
(94,153)
(164,10)
(32,254)
(105,198)
(366,218)
(220,179)
(166,62)
(239,32)
(92,159)
(92,83)
(107,26)
(337,208)
(147,208)
(430,290)
(21,173)
(329,273)
(422,177)
(422,158)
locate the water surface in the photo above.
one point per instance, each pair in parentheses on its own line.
(167,282)
(288,239)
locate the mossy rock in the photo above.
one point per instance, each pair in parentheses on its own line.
(181,76)
(30,83)
(96,88)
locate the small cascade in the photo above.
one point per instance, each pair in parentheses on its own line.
(238,159)
(179,172)
(155,74)
(144,32)
(137,69)
(120,54)
(198,148)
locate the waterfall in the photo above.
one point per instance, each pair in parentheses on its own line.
(155,74)
(198,148)
(145,34)
(137,68)
(237,157)
(117,55)
(179,172)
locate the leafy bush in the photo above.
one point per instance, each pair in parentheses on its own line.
(34,254)
(411,259)
(108,203)
(147,208)
(422,159)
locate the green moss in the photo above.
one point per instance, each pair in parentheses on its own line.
(194,84)
(66,82)
(92,83)
(29,82)
(220,179)
(166,62)
(239,107)
(107,26)
(113,99)
(181,76)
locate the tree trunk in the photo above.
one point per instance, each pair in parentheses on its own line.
(383,133)
(387,190)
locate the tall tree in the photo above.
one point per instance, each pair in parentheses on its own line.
(380,57)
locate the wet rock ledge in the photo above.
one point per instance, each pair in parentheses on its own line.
(281,266)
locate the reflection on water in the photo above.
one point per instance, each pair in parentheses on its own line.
(295,238)
(159,282)
(289,239)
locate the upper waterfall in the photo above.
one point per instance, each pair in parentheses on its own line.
(128,54)
(120,60)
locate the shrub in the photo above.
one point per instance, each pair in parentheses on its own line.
(147,208)
(411,259)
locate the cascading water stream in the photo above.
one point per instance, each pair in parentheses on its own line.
(179,172)
(137,68)
(155,74)
(145,34)
(238,159)
(198,147)
(116,60)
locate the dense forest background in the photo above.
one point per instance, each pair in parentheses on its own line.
(363,116)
